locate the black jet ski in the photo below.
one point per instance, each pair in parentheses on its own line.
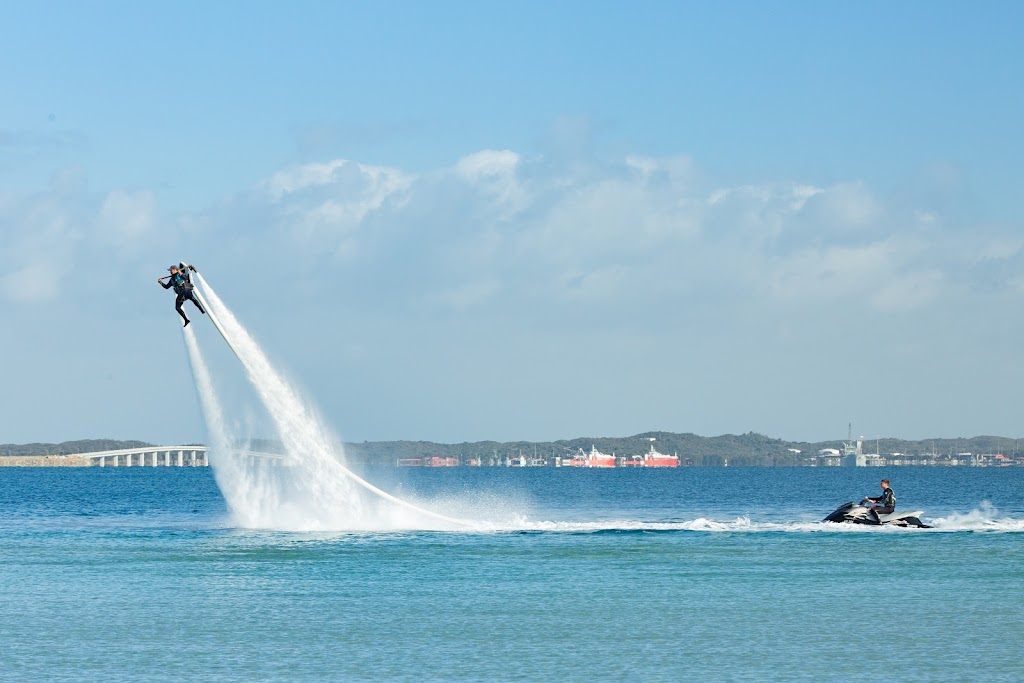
(861,513)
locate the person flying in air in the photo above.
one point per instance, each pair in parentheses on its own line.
(183,287)
(887,501)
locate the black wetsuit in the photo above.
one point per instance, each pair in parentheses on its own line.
(183,287)
(887,502)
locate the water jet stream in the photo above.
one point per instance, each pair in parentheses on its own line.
(315,488)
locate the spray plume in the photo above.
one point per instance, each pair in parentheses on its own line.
(309,487)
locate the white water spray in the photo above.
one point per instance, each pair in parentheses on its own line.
(246,482)
(309,488)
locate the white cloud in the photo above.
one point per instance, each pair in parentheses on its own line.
(801,193)
(642,231)
(372,182)
(495,229)
(908,291)
(925,217)
(884,273)
(333,198)
(610,220)
(845,205)
(645,166)
(494,173)
(125,217)
(295,178)
(47,235)
(487,164)
(39,234)
(601,284)
(996,250)
(35,282)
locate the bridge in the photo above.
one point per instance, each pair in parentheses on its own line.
(153,456)
(165,456)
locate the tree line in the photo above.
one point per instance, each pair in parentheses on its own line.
(70,447)
(738,450)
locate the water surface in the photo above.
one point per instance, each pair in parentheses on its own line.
(691,574)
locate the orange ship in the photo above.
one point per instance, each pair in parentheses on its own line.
(594,458)
(652,459)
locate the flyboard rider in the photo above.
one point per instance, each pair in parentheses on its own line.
(183,287)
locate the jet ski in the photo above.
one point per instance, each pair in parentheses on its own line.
(860,513)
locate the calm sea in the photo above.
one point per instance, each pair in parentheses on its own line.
(676,575)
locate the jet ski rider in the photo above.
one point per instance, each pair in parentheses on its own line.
(183,287)
(887,500)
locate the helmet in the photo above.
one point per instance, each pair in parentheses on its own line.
(172,268)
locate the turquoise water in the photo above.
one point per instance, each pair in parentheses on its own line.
(692,574)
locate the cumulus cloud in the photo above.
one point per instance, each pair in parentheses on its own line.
(33,283)
(333,198)
(38,238)
(47,235)
(835,273)
(296,178)
(843,206)
(125,217)
(908,291)
(494,174)
(494,230)
(487,164)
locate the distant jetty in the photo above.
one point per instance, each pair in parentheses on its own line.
(43,461)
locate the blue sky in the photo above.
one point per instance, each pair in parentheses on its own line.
(459,221)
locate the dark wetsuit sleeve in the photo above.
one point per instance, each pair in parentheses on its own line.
(168,284)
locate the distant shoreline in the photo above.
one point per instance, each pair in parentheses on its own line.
(732,450)
(43,461)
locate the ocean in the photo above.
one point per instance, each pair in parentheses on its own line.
(144,574)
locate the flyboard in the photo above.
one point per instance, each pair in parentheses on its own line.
(349,473)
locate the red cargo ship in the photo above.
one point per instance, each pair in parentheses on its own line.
(652,459)
(594,458)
